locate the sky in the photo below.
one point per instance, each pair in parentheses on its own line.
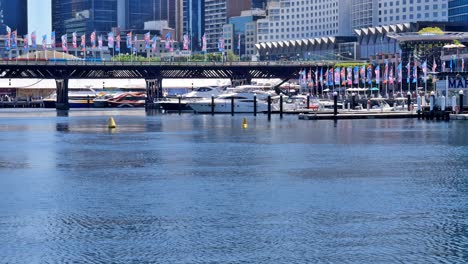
(40,18)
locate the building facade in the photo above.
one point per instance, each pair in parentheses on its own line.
(86,16)
(217,13)
(14,14)
(405,11)
(240,33)
(364,13)
(458,11)
(193,22)
(290,20)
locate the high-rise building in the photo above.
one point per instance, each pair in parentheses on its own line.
(194,22)
(458,11)
(240,34)
(14,14)
(405,11)
(290,19)
(83,16)
(364,13)
(86,16)
(140,11)
(217,13)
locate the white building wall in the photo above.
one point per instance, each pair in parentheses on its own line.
(404,11)
(300,19)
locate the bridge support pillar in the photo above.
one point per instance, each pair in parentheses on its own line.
(61,102)
(153,91)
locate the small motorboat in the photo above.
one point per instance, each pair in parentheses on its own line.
(130,99)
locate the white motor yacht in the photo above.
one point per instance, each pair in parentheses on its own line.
(243,103)
(172,103)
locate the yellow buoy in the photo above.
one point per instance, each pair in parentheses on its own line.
(111,123)
(244,123)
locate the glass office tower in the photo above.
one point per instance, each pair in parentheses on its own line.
(14,13)
(458,11)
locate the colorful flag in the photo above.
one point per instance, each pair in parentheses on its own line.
(434,65)
(386,72)
(110,40)
(33,40)
(343,75)
(349,71)
(321,75)
(204,43)
(316,76)
(64,42)
(239,41)
(83,42)
(221,44)
(309,76)
(337,76)
(100,42)
(147,39)
(463,64)
(93,39)
(52,40)
(356,74)
(424,70)
(168,40)
(14,39)
(154,44)
(117,43)
(451,63)
(415,72)
(44,41)
(390,76)
(25,42)
(400,72)
(7,39)
(135,42)
(74,44)
(408,76)
(377,74)
(186,42)
(363,73)
(330,77)
(369,74)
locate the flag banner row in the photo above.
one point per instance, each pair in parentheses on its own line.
(364,74)
(29,41)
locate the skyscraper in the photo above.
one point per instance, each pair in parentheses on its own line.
(217,13)
(15,15)
(83,16)
(458,11)
(140,11)
(389,12)
(194,21)
(291,20)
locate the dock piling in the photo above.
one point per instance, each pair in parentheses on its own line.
(269,107)
(255,104)
(212,105)
(281,106)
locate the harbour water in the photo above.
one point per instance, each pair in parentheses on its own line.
(201,189)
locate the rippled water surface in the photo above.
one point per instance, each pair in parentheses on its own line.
(200,189)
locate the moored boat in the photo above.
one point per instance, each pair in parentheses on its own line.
(129,99)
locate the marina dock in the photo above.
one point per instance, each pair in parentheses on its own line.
(358,115)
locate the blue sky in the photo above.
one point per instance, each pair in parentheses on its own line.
(40,18)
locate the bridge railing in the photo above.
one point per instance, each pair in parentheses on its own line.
(52,62)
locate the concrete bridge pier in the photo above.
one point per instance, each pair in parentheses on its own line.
(61,102)
(153,91)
